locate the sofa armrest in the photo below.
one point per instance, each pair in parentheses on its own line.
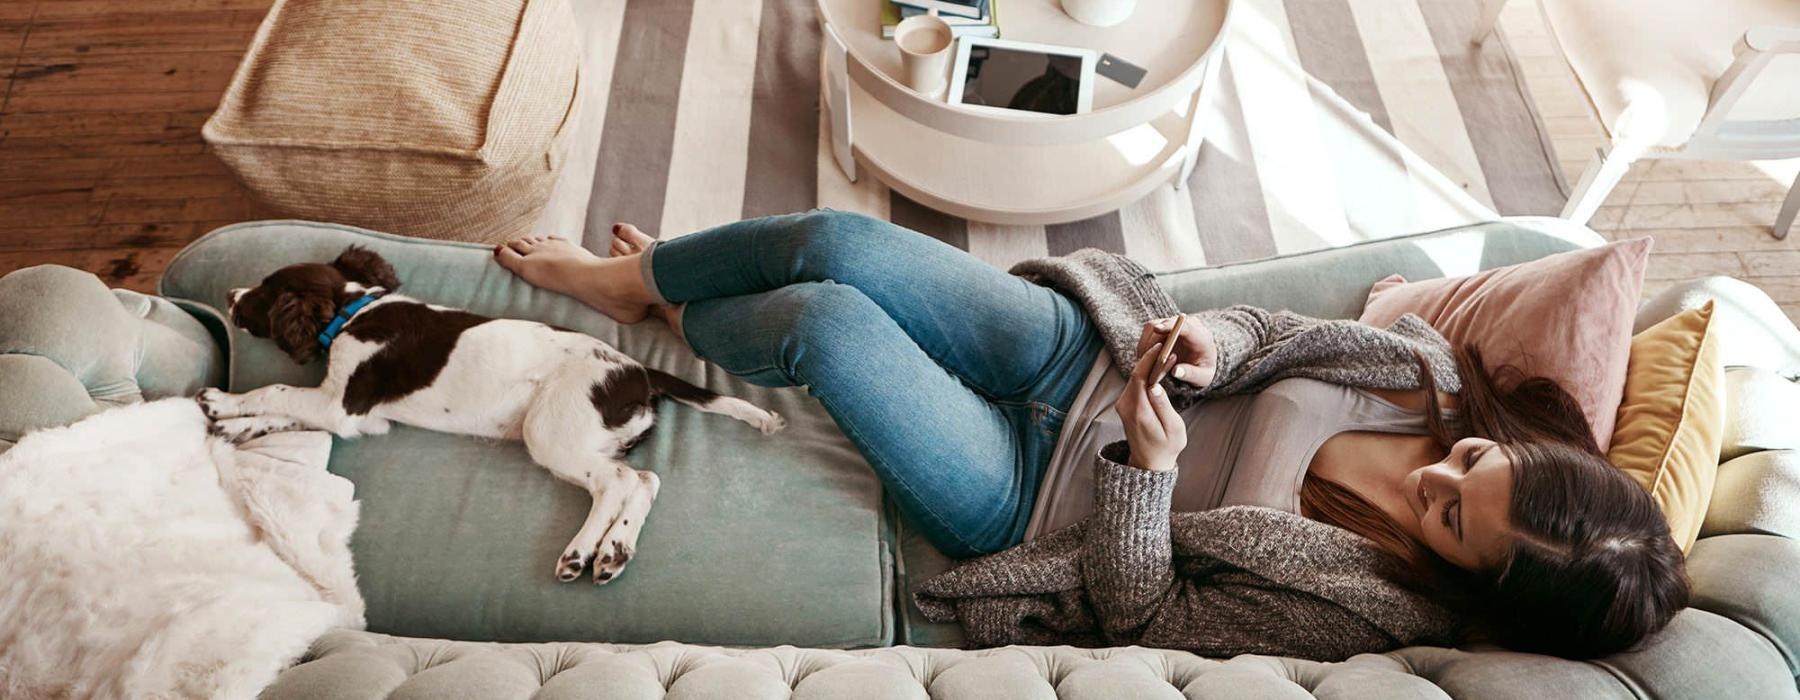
(1743,565)
(1749,579)
(1758,485)
(70,347)
(1759,334)
(1757,493)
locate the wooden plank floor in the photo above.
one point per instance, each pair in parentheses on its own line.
(102,166)
(101,162)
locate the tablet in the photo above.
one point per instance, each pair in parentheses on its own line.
(1017,76)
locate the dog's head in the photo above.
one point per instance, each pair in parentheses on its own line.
(294,304)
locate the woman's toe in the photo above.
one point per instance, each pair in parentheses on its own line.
(521,246)
(507,257)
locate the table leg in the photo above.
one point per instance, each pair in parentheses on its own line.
(837,100)
(1196,114)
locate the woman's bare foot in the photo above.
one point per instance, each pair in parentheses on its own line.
(613,285)
(628,240)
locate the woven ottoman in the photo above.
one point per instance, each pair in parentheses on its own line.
(444,120)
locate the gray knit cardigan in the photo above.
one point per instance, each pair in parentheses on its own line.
(1221,582)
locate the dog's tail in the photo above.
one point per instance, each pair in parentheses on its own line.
(665,384)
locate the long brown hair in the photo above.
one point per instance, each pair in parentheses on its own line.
(1592,568)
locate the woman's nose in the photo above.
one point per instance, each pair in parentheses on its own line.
(1440,479)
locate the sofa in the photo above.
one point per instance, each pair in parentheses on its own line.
(772,566)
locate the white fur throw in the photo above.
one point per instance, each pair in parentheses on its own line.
(144,558)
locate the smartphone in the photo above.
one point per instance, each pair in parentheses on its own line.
(1168,348)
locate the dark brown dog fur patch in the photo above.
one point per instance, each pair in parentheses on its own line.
(629,390)
(665,384)
(624,393)
(416,343)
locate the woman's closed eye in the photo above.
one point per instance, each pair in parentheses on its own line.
(1470,455)
(1452,513)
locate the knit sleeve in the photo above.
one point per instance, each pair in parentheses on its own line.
(1256,346)
(1240,333)
(1125,554)
(1237,612)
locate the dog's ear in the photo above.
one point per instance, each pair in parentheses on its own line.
(295,322)
(363,266)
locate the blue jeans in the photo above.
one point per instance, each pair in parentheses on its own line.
(951,377)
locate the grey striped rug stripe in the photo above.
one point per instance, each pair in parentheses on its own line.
(931,222)
(1228,206)
(1331,50)
(1105,232)
(633,169)
(1499,123)
(782,172)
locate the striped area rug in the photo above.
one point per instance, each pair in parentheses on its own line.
(1334,121)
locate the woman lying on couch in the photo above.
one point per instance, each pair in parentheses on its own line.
(1350,489)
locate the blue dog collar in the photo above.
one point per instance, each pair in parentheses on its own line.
(337,324)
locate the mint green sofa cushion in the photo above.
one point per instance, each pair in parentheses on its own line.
(754,540)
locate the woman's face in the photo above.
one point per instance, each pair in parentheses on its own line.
(1464,502)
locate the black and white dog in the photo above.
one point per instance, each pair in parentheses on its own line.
(577,403)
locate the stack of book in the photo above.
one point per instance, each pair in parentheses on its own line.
(965,17)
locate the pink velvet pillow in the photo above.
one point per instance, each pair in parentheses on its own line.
(1566,317)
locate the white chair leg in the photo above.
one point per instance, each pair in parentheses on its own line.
(1490,17)
(1784,222)
(1602,175)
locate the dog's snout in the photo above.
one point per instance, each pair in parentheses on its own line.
(234,295)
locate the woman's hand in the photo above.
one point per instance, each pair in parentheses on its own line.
(1196,352)
(1153,429)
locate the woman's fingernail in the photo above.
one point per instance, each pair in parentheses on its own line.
(1181,372)
(1156,390)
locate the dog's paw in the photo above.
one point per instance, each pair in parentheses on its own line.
(244,429)
(214,403)
(771,423)
(568,568)
(613,556)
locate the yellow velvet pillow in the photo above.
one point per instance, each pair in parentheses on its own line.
(1672,420)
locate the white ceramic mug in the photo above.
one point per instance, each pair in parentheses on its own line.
(1099,13)
(925,42)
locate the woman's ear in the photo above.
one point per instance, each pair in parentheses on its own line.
(295,322)
(363,266)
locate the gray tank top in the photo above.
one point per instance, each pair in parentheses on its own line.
(1249,449)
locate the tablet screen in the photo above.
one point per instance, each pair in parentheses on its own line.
(1027,80)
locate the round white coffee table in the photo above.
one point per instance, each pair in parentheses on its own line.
(1026,168)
